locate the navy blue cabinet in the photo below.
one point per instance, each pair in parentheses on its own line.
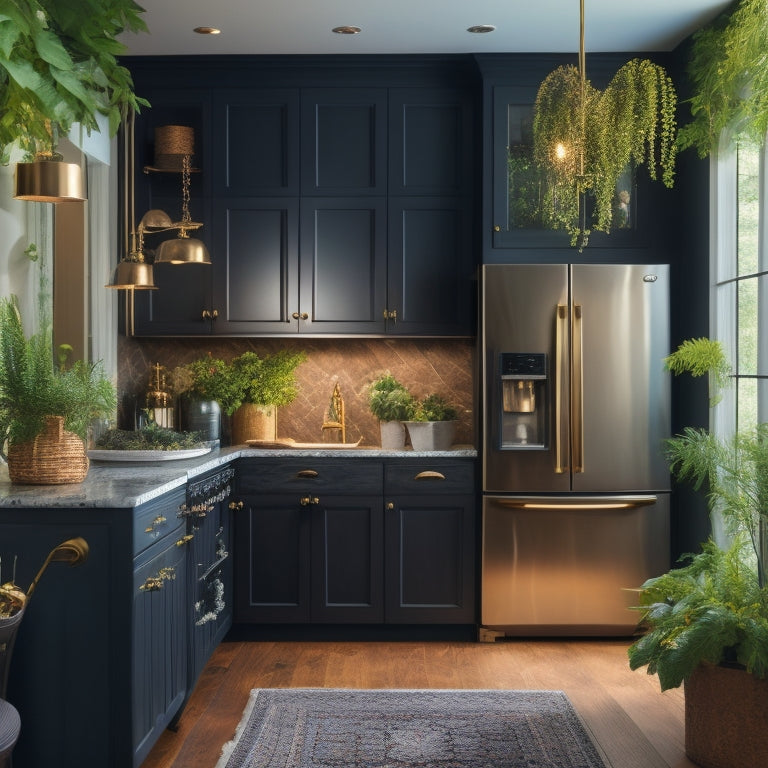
(342,209)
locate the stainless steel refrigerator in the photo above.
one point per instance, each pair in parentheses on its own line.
(575,411)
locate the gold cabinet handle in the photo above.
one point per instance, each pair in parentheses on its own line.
(155,583)
(185,540)
(305,501)
(156,523)
(210,314)
(430,474)
(235,504)
(300,316)
(390,314)
(390,505)
(307,473)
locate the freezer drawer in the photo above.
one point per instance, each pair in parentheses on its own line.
(570,565)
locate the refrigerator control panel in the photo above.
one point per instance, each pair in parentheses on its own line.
(524,365)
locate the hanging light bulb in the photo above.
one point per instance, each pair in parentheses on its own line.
(132,272)
(184,249)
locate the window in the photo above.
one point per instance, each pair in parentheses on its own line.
(741,283)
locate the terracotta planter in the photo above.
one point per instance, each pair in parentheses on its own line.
(54,457)
(431,435)
(726,718)
(392,435)
(254,422)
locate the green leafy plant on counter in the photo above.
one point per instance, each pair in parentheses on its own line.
(714,608)
(33,387)
(389,400)
(729,71)
(434,408)
(59,66)
(149,438)
(207,378)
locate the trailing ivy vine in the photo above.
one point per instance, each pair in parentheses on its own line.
(728,67)
(585,139)
(58,66)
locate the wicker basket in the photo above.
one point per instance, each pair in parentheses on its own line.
(254,422)
(726,718)
(54,457)
(172,144)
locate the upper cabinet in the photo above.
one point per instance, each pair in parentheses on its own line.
(342,209)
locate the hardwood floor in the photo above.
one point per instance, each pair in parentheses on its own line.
(634,724)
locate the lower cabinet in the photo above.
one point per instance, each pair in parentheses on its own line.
(355,541)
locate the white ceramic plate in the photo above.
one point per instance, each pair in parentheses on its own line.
(184,453)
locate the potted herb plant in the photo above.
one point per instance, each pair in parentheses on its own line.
(46,409)
(261,386)
(707,621)
(433,424)
(392,404)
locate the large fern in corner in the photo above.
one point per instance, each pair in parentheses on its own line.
(33,387)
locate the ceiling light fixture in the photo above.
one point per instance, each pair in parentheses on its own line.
(207,30)
(346,30)
(481,29)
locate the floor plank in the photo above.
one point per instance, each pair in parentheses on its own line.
(635,725)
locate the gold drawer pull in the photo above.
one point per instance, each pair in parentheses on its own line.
(307,473)
(185,540)
(155,583)
(430,474)
(306,501)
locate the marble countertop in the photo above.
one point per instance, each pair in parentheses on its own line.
(129,484)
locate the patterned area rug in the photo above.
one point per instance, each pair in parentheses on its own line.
(333,728)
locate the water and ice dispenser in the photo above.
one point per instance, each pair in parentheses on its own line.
(524,402)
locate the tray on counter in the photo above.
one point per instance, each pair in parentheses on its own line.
(152,455)
(288,442)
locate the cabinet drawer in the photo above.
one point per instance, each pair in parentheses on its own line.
(427,476)
(305,475)
(157,519)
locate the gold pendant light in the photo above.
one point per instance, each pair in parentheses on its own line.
(48,179)
(183,249)
(132,272)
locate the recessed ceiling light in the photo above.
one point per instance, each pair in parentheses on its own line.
(207,31)
(346,30)
(481,29)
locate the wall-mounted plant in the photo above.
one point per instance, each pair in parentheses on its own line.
(58,66)
(729,72)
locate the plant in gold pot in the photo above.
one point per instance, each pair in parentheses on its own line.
(262,385)
(707,621)
(46,408)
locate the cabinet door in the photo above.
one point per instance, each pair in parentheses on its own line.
(344,141)
(256,142)
(272,560)
(343,265)
(429,560)
(431,276)
(347,555)
(255,267)
(160,630)
(431,142)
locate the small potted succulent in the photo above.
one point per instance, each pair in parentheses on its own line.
(433,424)
(392,404)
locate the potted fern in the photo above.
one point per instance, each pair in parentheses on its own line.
(392,404)
(707,621)
(46,409)
(433,424)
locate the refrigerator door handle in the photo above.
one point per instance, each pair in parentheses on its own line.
(576,502)
(561,382)
(577,391)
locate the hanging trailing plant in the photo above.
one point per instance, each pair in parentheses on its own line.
(585,139)
(728,67)
(58,66)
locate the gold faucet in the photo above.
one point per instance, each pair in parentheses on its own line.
(334,416)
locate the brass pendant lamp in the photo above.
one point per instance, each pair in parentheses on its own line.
(48,179)
(183,249)
(132,272)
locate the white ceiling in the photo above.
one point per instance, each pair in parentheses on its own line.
(415,26)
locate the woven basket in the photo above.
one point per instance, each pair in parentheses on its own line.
(254,422)
(172,144)
(726,718)
(54,457)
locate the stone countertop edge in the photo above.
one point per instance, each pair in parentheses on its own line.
(130,484)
